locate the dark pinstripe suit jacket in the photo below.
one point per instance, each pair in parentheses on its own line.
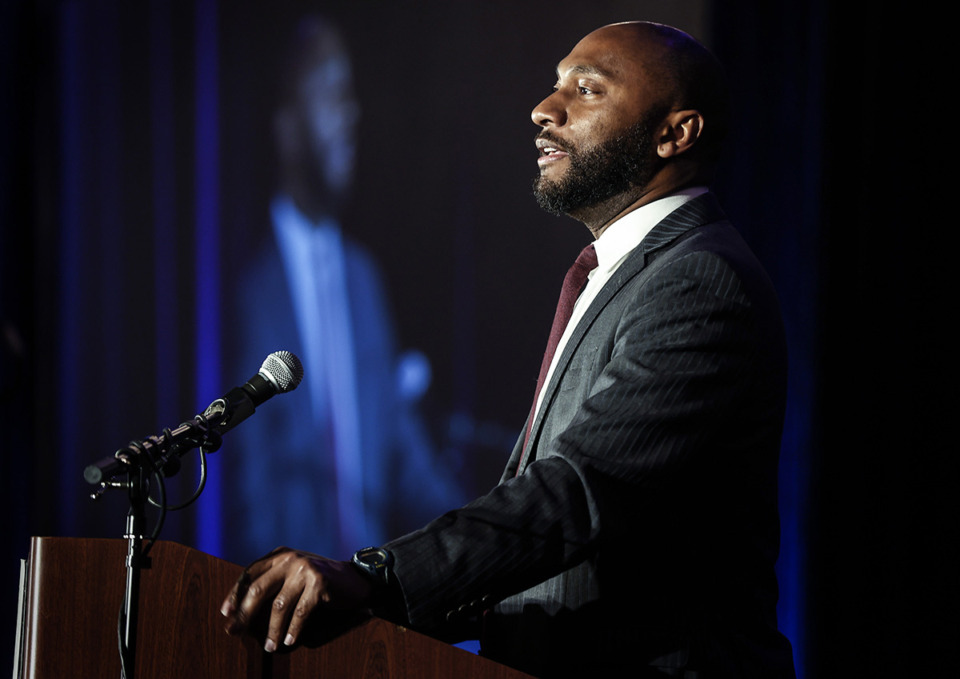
(642,530)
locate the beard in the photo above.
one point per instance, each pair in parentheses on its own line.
(607,170)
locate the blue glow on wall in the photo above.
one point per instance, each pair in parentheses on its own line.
(207,215)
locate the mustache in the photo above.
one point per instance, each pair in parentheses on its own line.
(546,136)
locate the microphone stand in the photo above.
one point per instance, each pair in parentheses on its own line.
(155,455)
(135,562)
(159,456)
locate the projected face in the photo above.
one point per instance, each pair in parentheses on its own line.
(330,113)
(316,122)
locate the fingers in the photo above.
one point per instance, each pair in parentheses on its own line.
(290,583)
(257,582)
(291,608)
(229,606)
(243,603)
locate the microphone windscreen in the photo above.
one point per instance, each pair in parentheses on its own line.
(283,369)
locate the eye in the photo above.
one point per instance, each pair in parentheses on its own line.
(583,89)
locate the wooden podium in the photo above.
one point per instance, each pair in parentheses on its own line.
(72,598)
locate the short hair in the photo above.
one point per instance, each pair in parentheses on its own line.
(696,80)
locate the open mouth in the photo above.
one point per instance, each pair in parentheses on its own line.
(550,151)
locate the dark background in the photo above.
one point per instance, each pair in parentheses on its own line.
(135,166)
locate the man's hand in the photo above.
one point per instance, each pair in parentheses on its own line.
(293,584)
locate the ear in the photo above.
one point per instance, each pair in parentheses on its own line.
(680,131)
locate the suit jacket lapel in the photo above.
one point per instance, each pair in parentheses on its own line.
(699,211)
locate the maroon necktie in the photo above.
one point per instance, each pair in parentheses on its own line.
(572,287)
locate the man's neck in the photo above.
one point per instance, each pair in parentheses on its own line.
(673,178)
(598,217)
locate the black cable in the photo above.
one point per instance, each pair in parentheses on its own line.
(205,439)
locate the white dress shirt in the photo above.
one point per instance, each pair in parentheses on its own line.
(616,242)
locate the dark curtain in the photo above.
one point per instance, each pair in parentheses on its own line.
(838,191)
(771,187)
(886,475)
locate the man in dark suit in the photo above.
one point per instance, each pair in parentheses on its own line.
(635,528)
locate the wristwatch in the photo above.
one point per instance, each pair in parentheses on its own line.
(375,563)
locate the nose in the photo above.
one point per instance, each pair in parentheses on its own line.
(550,111)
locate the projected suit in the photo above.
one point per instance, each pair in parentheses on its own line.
(325,450)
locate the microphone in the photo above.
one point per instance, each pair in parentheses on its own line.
(281,372)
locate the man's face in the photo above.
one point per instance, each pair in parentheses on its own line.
(598,125)
(597,173)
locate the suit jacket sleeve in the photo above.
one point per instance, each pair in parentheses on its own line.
(673,390)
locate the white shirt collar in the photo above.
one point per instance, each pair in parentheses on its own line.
(625,234)
(286,215)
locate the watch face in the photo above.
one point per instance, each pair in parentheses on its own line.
(374,557)
(376,562)
(371,556)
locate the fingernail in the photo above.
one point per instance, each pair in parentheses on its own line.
(270,646)
(288,640)
(226,609)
